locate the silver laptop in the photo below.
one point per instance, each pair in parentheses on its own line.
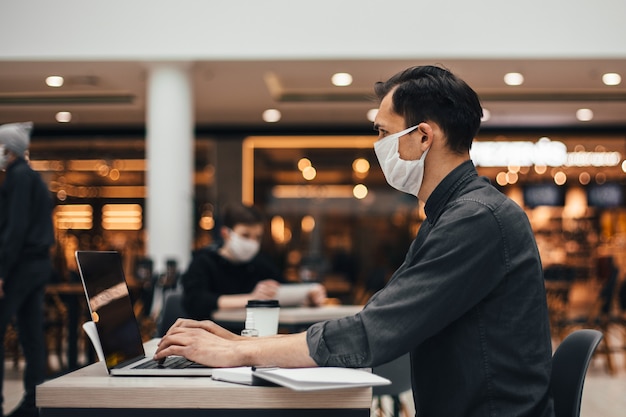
(111,310)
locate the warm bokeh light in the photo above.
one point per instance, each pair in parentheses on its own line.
(304,163)
(309,173)
(122,217)
(360,191)
(560,178)
(277,229)
(584,178)
(307,224)
(361,165)
(501,179)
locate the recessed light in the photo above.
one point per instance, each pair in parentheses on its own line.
(371,114)
(63,117)
(271,115)
(54,81)
(584,115)
(514,78)
(611,78)
(341,79)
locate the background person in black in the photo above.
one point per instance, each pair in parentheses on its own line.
(227,276)
(26,235)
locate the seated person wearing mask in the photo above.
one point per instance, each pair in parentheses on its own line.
(227,276)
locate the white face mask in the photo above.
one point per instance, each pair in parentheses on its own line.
(405,176)
(4,159)
(241,248)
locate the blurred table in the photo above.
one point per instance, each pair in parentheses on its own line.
(290,318)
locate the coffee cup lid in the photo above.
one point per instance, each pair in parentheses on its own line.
(263,303)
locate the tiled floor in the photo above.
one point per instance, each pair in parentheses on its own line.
(604,395)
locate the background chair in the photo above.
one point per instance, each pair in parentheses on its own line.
(398,371)
(596,315)
(172,310)
(569,368)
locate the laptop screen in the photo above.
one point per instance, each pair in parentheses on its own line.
(110,305)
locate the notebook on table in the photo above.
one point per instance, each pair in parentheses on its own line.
(108,298)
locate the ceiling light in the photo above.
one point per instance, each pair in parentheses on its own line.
(341,79)
(54,81)
(63,117)
(486,115)
(584,115)
(513,78)
(371,114)
(611,78)
(271,115)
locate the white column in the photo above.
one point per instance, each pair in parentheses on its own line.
(169,157)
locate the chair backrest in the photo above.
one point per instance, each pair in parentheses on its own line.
(569,368)
(172,310)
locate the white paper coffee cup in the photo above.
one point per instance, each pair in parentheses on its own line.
(265,315)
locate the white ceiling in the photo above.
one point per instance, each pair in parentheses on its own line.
(235,93)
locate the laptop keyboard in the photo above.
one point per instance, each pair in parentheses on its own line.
(172,362)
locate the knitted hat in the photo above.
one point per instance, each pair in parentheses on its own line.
(16,137)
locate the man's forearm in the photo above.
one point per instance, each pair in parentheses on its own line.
(287,351)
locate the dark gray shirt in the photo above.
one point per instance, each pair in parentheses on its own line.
(468,303)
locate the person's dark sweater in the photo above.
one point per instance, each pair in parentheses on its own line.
(210,276)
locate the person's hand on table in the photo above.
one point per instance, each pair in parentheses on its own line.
(207,343)
(317,295)
(200,341)
(265,290)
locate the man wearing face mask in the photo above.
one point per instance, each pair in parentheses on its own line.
(26,235)
(468,302)
(227,276)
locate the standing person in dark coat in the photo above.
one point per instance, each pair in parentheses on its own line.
(26,235)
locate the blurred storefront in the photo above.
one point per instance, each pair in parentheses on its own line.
(331,215)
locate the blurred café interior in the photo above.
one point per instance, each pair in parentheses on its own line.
(294,136)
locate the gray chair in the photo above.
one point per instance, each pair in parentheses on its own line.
(398,371)
(569,368)
(172,310)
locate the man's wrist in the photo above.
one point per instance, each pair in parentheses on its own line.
(246,352)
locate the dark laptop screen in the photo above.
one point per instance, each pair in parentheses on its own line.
(110,305)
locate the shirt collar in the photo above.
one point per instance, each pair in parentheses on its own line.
(448,188)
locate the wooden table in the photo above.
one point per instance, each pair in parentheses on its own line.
(90,391)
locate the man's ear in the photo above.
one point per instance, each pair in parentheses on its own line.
(425,131)
(224,232)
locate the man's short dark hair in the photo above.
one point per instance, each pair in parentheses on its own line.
(238,213)
(430,93)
